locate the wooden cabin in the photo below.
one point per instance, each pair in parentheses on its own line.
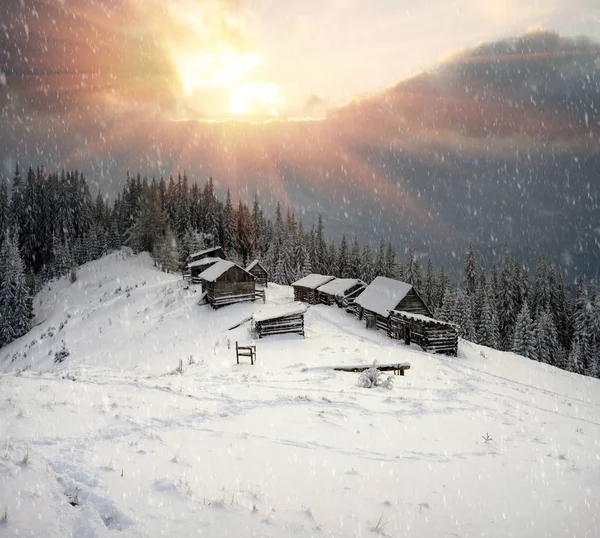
(382,296)
(284,319)
(305,289)
(260,273)
(195,268)
(336,290)
(213,252)
(227,283)
(432,335)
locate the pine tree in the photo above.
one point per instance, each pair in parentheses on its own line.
(354,262)
(166,251)
(343,262)
(507,300)
(463,317)
(229,228)
(390,261)
(524,340)
(320,264)
(488,333)
(429,287)
(379,268)
(546,339)
(470,272)
(15,304)
(4,218)
(443,284)
(366,265)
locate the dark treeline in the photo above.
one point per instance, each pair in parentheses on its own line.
(51,224)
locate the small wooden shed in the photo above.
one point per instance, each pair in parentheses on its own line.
(213,252)
(382,296)
(432,335)
(195,268)
(227,283)
(305,289)
(336,290)
(282,319)
(260,273)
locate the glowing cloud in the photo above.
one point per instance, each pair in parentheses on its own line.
(255,98)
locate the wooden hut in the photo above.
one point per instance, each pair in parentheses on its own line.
(227,283)
(336,290)
(213,252)
(305,289)
(432,335)
(382,296)
(260,273)
(281,319)
(195,268)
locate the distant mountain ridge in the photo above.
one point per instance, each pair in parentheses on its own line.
(499,144)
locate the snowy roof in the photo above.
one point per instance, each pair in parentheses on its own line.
(253,265)
(419,317)
(215,271)
(383,295)
(339,286)
(203,261)
(280,311)
(313,281)
(204,252)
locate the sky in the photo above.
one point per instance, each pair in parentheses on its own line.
(253,59)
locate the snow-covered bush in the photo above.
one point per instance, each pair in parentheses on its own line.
(61,354)
(372,378)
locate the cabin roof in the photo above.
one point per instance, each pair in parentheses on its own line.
(280,311)
(313,281)
(218,269)
(383,295)
(203,261)
(339,286)
(204,252)
(420,317)
(254,264)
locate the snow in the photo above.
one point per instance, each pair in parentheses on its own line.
(383,295)
(313,281)
(215,271)
(420,317)
(280,311)
(275,449)
(203,261)
(339,286)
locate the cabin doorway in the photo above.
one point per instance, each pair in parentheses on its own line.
(407,335)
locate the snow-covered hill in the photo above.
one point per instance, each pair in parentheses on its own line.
(113,441)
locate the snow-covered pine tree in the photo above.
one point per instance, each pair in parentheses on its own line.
(3,209)
(546,339)
(366,265)
(462,315)
(446,309)
(331,267)
(470,272)
(166,251)
(429,287)
(343,266)
(354,263)
(390,261)
(15,304)
(524,339)
(229,228)
(443,284)
(488,333)
(379,267)
(507,300)
(320,263)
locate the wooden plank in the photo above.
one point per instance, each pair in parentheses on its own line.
(383,368)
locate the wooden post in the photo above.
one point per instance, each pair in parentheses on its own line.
(237,357)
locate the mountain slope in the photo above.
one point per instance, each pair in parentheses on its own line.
(117,441)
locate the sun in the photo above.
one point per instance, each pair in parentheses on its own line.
(255,99)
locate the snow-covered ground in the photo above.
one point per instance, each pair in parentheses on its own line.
(114,441)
